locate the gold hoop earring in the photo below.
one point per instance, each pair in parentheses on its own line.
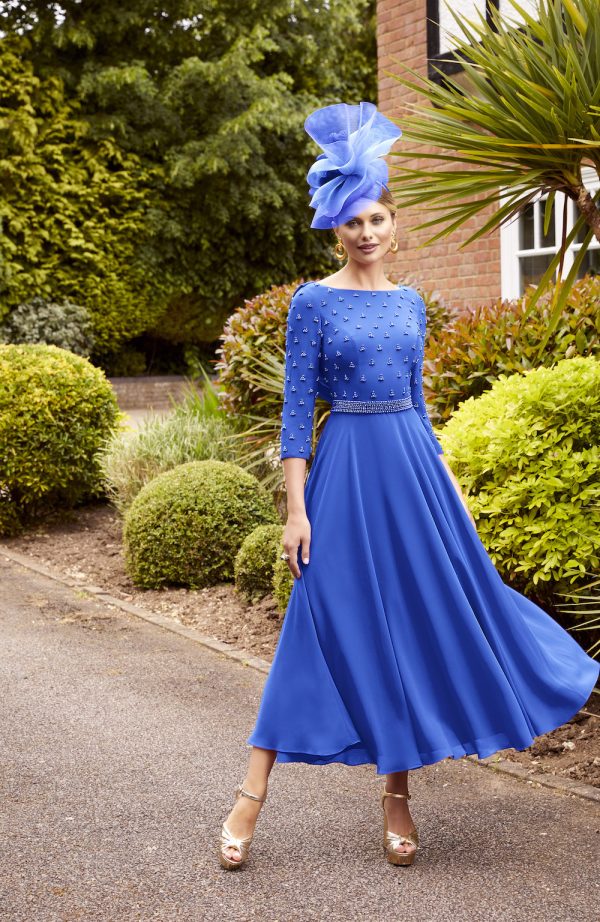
(394,244)
(340,251)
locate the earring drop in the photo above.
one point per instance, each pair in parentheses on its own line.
(340,251)
(394,244)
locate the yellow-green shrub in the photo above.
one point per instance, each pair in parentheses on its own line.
(186,526)
(56,410)
(527,453)
(256,560)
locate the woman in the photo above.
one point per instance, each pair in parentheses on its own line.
(401,645)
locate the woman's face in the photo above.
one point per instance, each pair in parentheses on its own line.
(367,236)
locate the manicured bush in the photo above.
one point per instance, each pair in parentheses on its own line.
(62,324)
(56,410)
(283,582)
(465,357)
(132,459)
(186,526)
(527,453)
(255,562)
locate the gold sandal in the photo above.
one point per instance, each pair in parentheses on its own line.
(392,839)
(230,841)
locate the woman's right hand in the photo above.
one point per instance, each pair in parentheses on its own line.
(296,533)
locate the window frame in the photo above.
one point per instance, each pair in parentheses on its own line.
(449,62)
(511,251)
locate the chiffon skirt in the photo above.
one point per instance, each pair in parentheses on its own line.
(401,645)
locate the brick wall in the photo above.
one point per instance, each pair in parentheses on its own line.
(463,277)
(149,392)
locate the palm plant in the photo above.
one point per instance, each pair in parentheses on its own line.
(529,124)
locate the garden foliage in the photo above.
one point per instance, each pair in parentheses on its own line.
(255,562)
(283,583)
(66,325)
(132,459)
(527,454)
(466,355)
(187,525)
(56,410)
(153,161)
(73,210)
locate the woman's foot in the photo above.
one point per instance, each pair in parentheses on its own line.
(242,818)
(399,820)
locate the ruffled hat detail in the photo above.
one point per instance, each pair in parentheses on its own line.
(351,173)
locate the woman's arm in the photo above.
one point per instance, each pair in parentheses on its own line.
(301,386)
(297,528)
(457,487)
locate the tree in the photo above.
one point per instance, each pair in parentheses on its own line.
(73,209)
(529,125)
(210,98)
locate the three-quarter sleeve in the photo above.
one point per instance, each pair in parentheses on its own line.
(302,352)
(416,380)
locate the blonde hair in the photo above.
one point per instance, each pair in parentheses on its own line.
(386,199)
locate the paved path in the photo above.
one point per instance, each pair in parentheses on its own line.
(122,744)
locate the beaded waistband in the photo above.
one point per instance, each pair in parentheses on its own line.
(370,406)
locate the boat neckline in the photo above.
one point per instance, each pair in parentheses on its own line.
(373,291)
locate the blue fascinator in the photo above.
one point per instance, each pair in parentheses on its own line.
(351,173)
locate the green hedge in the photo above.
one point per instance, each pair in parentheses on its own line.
(527,454)
(56,410)
(186,526)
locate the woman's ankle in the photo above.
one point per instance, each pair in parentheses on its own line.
(255,786)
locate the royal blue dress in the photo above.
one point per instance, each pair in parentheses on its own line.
(401,645)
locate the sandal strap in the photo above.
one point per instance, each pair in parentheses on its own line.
(390,794)
(240,791)
(394,839)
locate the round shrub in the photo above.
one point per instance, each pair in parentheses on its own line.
(527,453)
(255,561)
(56,410)
(186,526)
(282,585)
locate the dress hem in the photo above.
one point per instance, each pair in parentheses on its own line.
(352,755)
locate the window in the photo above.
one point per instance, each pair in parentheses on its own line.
(441,25)
(526,252)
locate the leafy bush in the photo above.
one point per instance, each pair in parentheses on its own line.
(527,453)
(255,562)
(465,357)
(283,582)
(62,324)
(56,410)
(186,526)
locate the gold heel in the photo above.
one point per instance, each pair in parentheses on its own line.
(392,839)
(230,841)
